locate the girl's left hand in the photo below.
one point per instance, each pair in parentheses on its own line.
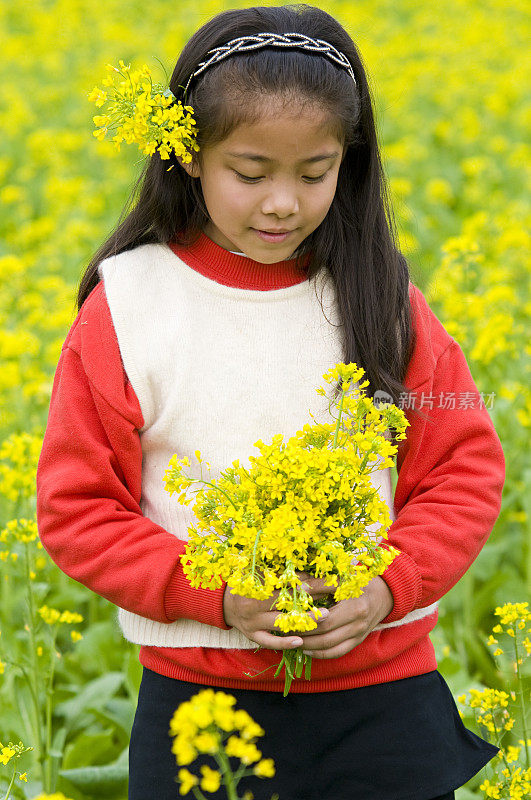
(349,622)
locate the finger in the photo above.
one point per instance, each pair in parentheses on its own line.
(330,639)
(334,652)
(347,613)
(317,587)
(272,642)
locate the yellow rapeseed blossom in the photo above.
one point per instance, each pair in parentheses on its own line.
(265,768)
(491,790)
(514,614)
(515,622)
(186,780)
(209,724)
(21,530)
(211,780)
(19,454)
(7,753)
(52,616)
(11,752)
(491,709)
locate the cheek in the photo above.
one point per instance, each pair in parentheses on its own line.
(234,198)
(320,202)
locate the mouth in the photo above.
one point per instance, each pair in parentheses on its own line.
(273,236)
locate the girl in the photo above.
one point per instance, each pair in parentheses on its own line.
(207,321)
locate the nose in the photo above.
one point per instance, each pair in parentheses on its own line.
(281,199)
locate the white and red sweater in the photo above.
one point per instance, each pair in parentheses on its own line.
(200,348)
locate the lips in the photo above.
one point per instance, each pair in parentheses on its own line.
(267,230)
(275,237)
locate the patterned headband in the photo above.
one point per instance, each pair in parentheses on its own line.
(259,40)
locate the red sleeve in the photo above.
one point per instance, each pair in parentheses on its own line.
(451,471)
(89,484)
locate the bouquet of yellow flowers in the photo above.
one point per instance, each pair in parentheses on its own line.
(305,505)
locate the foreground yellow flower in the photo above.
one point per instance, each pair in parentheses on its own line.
(54,796)
(187,780)
(6,754)
(211,780)
(209,723)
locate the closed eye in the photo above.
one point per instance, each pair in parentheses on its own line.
(246,179)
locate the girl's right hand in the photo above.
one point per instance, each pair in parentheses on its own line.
(255,620)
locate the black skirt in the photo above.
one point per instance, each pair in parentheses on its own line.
(402,740)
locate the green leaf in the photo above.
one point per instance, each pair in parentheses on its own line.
(95,694)
(101,781)
(87,749)
(119,712)
(57,751)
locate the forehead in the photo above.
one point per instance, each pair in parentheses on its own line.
(298,135)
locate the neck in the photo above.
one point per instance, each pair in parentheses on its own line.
(237,269)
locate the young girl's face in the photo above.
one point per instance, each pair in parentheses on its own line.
(279,173)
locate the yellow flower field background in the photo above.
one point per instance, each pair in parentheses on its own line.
(449,84)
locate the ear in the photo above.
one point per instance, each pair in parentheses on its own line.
(191,167)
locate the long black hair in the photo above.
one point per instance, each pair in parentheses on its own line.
(357,239)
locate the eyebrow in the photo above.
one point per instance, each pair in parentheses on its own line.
(264,160)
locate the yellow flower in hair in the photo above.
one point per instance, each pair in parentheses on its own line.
(144,113)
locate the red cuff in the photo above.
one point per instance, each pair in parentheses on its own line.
(403,578)
(203,605)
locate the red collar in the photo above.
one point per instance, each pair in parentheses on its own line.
(231,269)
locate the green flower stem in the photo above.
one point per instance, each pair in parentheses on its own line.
(294,661)
(228,778)
(241,772)
(217,488)
(522,699)
(7,590)
(198,794)
(7,594)
(35,671)
(248,475)
(255,547)
(12,782)
(336,432)
(49,704)
(365,459)
(499,735)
